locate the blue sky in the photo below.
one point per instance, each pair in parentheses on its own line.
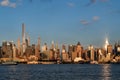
(63,21)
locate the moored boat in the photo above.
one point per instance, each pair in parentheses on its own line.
(9,63)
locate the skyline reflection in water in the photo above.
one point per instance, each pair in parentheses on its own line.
(106,71)
(60,72)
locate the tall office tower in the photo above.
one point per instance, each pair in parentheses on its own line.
(23,39)
(44,47)
(106,44)
(109,52)
(91,49)
(14,51)
(115,48)
(70,51)
(38,43)
(56,46)
(64,53)
(63,48)
(19,48)
(100,54)
(118,50)
(109,49)
(52,46)
(51,54)
(37,49)
(27,39)
(0,52)
(26,42)
(79,50)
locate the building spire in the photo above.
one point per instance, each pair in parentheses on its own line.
(106,43)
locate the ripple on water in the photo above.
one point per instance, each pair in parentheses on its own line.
(60,72)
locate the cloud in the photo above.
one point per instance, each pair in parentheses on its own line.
(45,0)
(71,4)
(91,2)
(7,3)
(115,12)
(13,5)
(104,0)
(84,22)
(94,1)
(95,18)
(42,0)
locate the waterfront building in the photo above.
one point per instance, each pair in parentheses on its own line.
(18,47)
(74,55)
(51,54)
(45,55)
(26,42)
(79,50)
(70,50)
(109,49)
(44,47)
(7,49)
(29,51)
(58,54)
(63,49)
(0,52)
(117,49)
(85,56)
(64,53)
(33,49)
(14,51)
(91,50)
(37,49)
(101,55)
(56,46)
(109,52)
(52,45)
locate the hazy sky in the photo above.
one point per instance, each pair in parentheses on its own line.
(64,21)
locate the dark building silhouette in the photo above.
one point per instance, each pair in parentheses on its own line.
(7,50)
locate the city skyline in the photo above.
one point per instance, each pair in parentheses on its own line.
(65,22)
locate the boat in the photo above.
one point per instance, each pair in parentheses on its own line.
(32,62)
(93,62)
(79,60)
(9,63)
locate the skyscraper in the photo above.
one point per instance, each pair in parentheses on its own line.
(23,39)
(79,50)
(19,48)
(91,50)
(106,44)
(37,49)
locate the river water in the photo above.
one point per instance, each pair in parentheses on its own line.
(60,72)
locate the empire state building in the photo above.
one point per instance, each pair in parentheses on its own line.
(106,44)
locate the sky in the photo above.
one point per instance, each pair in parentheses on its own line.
(61,21)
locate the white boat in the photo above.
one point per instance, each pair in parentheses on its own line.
(9,63)
(32,62)
(93,62)
(79,60)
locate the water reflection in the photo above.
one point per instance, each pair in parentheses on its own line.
(60,72)
(16,72)
(106,71)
